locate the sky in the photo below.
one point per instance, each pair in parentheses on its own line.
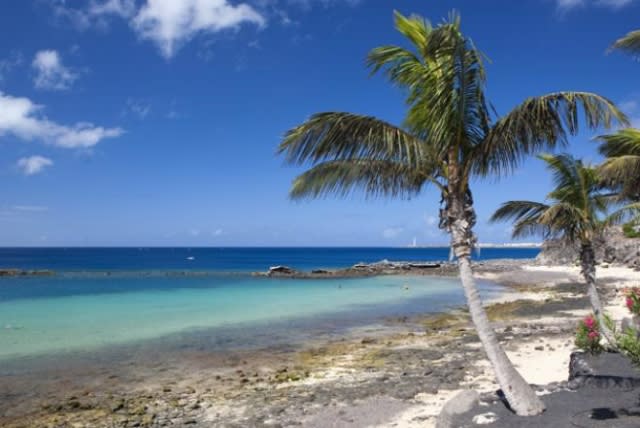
(156,122)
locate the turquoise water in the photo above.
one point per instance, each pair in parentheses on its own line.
(44,316)
(147,300)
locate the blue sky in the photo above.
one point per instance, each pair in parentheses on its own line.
(155,122)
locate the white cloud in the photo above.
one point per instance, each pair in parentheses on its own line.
(566,5)
(217,232)
(392,232)
(123,8)
(95,12)
(170,23)
(21,117)
(194,232)
(569,4)
(614,4)
(51,73)
(138,107)
(31,166)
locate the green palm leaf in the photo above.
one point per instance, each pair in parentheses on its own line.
(621,169)
(543,123)
(333,136)
(629,43)
(374,177)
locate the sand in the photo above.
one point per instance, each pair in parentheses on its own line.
(540,363)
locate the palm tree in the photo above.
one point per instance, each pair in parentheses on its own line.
(576,211)
(449,137)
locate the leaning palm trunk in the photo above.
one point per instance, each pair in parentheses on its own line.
(588,270)
(460,218)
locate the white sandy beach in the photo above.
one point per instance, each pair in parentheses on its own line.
(537,366)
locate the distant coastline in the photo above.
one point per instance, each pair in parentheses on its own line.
(509,245)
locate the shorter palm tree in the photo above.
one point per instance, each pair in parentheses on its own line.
(576,212)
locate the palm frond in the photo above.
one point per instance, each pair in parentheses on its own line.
(333,136)
(518,210)
(630,43)
(627,212)
(565,170)
(373,177)
(624,142)
(526,217)
(568,220)
(543,122)
(621,169)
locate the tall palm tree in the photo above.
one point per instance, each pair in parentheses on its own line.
(449,136)
(576,212)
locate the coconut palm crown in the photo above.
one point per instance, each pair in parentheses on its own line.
(450,136)
(576,211)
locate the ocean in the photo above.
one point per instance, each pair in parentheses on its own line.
(231,259)
(104,299)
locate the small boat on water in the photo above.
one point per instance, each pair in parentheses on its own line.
(191,258)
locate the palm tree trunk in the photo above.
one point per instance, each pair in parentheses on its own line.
(588,270)
(520,396)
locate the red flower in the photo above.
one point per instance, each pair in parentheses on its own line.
(589,322)
(593,335)
(629,302)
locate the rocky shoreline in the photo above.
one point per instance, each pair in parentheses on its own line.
(386,267)
(22,272)
(359,270)
(398,376)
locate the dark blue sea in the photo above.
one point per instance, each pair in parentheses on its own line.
(227,259)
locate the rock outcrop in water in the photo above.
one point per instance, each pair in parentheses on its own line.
(613,247)
(20,272)
(383,267)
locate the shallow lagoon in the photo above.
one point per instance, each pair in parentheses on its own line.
(53,315)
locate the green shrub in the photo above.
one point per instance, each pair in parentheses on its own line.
(629,344)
